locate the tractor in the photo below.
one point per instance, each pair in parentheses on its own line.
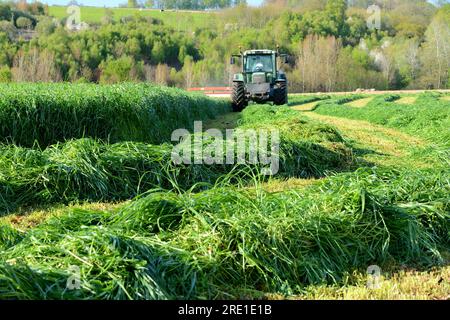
(260,80)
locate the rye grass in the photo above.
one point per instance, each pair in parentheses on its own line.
(230,243)
(45,114)
(428,117)
(188,241)
(90,170)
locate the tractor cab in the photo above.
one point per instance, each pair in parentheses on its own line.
(259,66)
(257,62)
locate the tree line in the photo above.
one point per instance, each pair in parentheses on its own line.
(332,47)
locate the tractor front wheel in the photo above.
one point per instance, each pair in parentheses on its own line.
(281,94)
(238,97)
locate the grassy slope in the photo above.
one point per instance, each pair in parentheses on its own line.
(181,20)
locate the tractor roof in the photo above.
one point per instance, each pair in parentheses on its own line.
(262,51)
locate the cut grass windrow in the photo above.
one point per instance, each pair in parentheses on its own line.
(384,146)
(232,243)
(428,117)
(212,231)
(45,114)
(89,170)
(359,103)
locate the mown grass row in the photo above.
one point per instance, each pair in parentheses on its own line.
(310,103)
(87,169)
(299,99)
(230,243)
(45,114)
(428,117)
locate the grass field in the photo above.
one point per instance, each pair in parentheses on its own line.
(363,180)
(179,20)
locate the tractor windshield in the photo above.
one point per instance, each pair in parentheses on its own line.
(259,63)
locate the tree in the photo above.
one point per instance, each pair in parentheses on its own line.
(22,5)
(108,17)
(132,4)
(384,59)
(5,74)
(5,12)
(162,74)
(357,28)
(316,64)
(182,53)
(188,72)
(46,26)
(158,53)
(354,71)
(9,29)
(24,23)
(335,10)
(34,66)
(435,56)
(120,70)
(405,54)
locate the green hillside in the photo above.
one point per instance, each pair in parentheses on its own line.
(176,19)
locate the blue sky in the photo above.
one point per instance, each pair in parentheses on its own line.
(112,3)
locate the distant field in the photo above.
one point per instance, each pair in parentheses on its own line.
(176,19)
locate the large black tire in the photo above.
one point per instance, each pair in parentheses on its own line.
(281,94)
(238,97)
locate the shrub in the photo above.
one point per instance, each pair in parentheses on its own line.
(24,23)
(5,74)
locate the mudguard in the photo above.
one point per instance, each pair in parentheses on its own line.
(238,77)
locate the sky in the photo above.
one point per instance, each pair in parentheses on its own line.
(113,3)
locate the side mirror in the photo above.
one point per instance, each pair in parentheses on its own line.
(232,60)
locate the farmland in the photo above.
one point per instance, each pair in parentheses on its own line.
(178,20)
(359,184)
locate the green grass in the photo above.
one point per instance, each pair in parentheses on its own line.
(311,102)
(181,20)
(90,170)
(299,99)
(428,117)
(231,237)
(229,243)
(45,114)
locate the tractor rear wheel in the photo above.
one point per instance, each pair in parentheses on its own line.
(281,94)
(238,97)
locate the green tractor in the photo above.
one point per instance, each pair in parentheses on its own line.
(259,81)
